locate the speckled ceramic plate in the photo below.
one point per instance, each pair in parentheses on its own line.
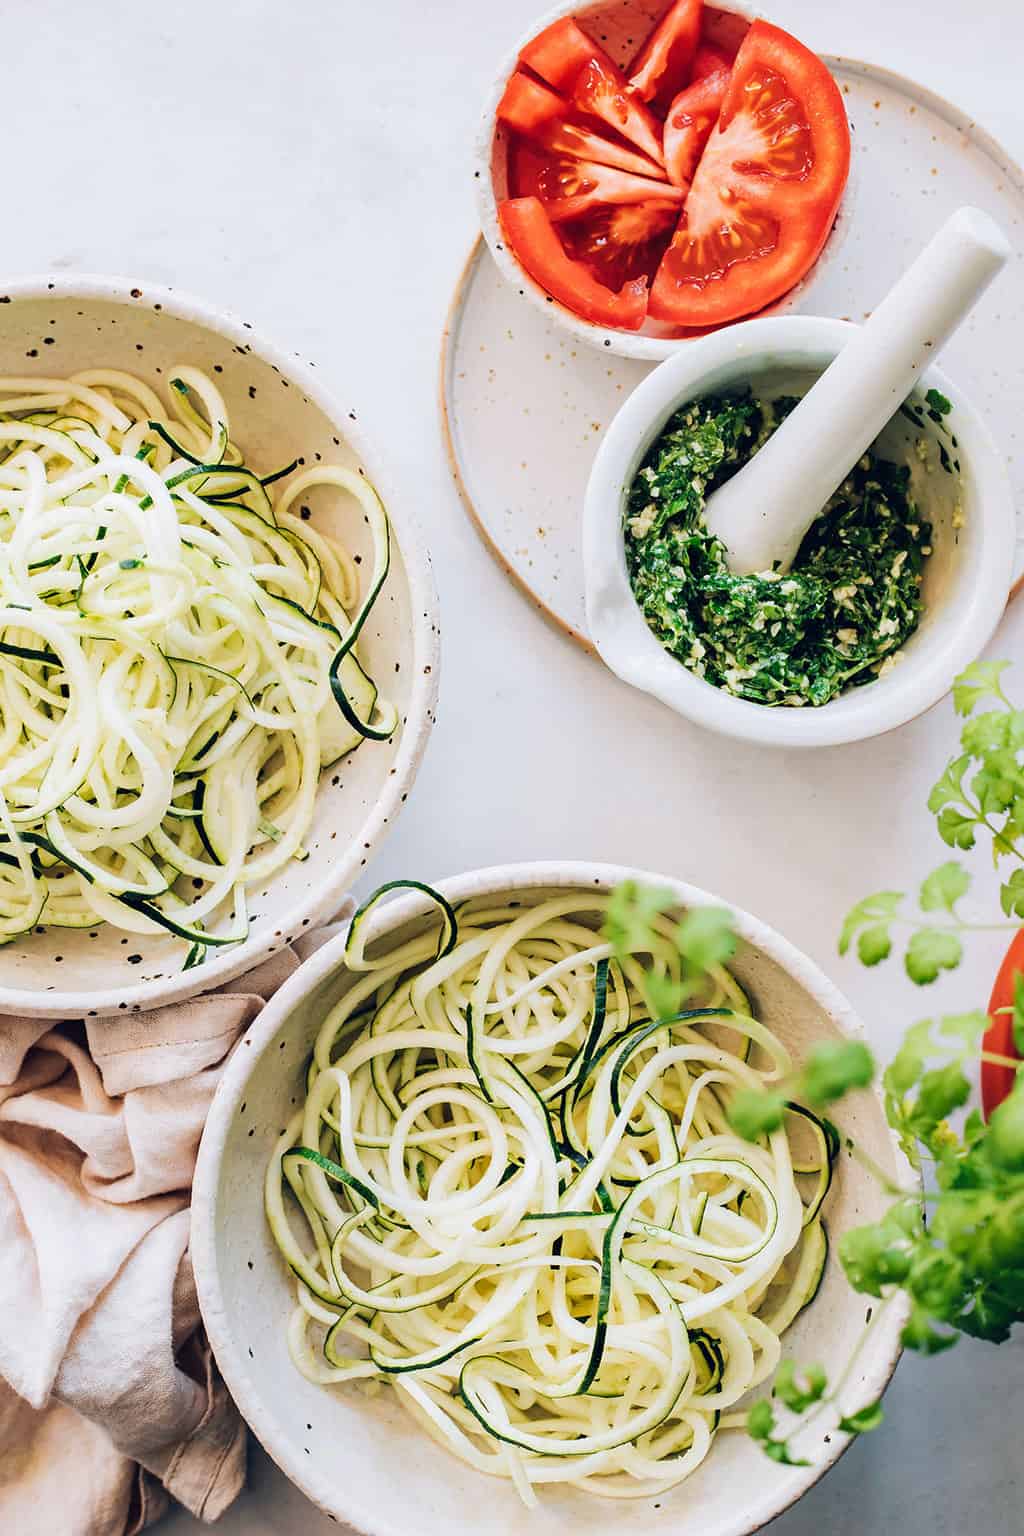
(525,404)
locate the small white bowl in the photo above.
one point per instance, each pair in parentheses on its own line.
(361,1458)
(619,26)
(966,578)
(278,411)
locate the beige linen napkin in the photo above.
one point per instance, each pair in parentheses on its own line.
(109,1398)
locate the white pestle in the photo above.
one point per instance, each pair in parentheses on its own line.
(763,512)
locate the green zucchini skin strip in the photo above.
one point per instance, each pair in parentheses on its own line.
(146,551)
(447,939)
(467,1082)
(335,1171)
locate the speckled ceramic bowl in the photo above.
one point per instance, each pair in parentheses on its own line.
(958,478)
(279,411)
(620,26)
(363,1459)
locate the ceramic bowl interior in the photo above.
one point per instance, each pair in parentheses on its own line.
(958,481)
(278,412)
(620,26)
(362,1458)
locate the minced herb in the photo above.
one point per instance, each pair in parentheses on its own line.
(849,601)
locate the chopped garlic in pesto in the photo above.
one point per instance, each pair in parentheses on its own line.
(850,601)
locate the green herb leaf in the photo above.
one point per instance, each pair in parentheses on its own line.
(664,996)
(940,1092)
(879,1255)
(755,1112)
(834,1068)
(920,1333)
(1018,1013)
(760,1426)
(956,829)
(1005,1140)
(949,789)
(874,911)
(938,402)
(864,1420)
(930,951)
(1011,894)
(799,1392)
(944,887)
(978,681)
(632,909)
(705,938)
(874,944)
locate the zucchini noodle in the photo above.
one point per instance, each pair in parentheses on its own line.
(516,1198)
(177,657)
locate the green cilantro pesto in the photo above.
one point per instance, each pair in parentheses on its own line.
(850,600)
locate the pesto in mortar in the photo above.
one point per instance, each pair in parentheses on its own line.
(850,600)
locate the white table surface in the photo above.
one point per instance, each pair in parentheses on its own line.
(306,165)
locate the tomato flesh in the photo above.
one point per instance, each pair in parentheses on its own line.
(623,241)
(689,123)
(996,1080)
(540,114)
(746,131)
(708,60)
(766,190)
(536,245)
(601,90)
(559,53)
(664,64)
(571,188)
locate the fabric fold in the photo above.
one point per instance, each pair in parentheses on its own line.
(110,1401)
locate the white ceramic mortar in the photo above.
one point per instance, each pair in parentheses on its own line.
(966,578)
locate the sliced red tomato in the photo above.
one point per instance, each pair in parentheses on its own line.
(601,90)
(571,62)
(996,1080)
(559,53)
(622,241)
(766,191)
(616,224)
(664,64)
(536,246)
(540,114)
(572,188)
(708,59)
(691,117)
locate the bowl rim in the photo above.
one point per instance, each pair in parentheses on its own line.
(488,881)
(322,902)
(631,344)
(630,648)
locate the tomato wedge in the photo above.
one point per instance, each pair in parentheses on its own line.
(691,117)
(570,61)
(622,241)
(559,53)
(537,248)
(571,188)
(540,114)
(664,64)
(708,59)
(996,1080)
(766,191)
(601,91)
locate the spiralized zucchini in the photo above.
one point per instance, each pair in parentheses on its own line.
(516,1198)
(177,657)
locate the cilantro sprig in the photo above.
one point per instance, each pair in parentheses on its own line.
(954,1247)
